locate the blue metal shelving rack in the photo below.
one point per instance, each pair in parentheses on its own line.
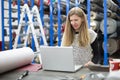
(51,22)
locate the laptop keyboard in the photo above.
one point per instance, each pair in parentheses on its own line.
(78,66)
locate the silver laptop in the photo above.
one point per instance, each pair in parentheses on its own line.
(58,59)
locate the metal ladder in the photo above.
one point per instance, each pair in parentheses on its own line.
(33,20)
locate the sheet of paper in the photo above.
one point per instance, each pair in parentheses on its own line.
(11,59)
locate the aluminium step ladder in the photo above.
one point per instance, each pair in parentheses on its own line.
(33,20)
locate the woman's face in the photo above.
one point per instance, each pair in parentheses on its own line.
(75,22)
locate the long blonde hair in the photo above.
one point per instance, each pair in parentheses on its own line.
(68,35)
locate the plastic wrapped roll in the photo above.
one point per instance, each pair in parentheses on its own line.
(98,2)
(111,26)
(12,59)
(113,15)
(113,46)
(118,24)
(118,32)
(95,25)
(96,16)
(112,6)
(96,8)
(113,35)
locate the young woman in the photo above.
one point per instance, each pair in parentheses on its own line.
(82,39)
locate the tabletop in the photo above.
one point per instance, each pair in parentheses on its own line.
(49,75)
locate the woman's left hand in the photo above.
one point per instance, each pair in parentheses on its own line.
(89,63)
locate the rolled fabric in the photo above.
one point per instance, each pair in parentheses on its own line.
(112,6)
(95,25)
(111,26)
(113,35)
(113,45)
(15,58)
(96,16)
(98,2)
(97,8)
(118,24)
(113,15)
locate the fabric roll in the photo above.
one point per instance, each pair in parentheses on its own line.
(95,25)
(12,59)
(113,46)
(118,29)
(113,15)
(111,26)
(98,2)
(118,24)
(96,16)
(113,35)
(112,6)
(96,8)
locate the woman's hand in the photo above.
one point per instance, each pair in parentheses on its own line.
(88,63)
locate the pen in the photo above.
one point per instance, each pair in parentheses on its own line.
(23,75)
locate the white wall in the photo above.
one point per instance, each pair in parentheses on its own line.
(0,21)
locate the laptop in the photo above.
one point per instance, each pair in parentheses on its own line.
(57,58)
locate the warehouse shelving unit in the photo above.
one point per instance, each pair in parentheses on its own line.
(96,12)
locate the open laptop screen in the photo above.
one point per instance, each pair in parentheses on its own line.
(57,58)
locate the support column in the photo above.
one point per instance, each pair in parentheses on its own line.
(0,27)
